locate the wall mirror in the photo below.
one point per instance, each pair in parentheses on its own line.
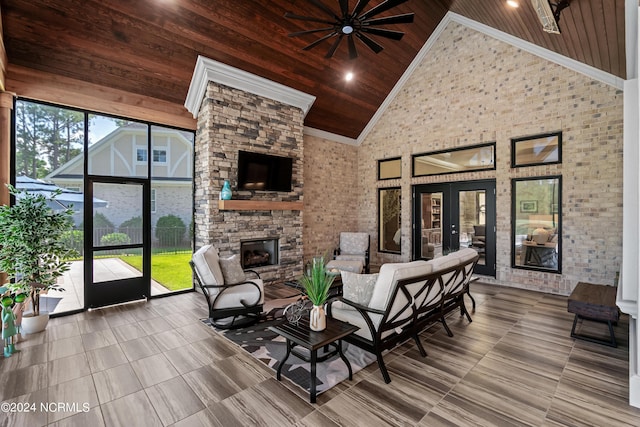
(465,159)
(390,168)
(389,225)
(537,218)
(536,150)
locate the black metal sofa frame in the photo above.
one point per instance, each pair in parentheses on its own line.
(452,284)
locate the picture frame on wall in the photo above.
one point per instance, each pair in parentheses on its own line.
(529,206)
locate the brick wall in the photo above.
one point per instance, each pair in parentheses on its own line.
(231,120)
(330,194)
(471,89)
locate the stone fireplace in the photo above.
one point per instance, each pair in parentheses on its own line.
(231,119)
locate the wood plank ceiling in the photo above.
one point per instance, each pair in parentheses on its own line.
(149,47)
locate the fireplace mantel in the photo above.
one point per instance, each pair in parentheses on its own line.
(258,205)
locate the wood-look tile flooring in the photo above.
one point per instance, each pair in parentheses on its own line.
(155,363)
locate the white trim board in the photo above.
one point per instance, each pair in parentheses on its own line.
(207,70)
(526,46)
(330,136)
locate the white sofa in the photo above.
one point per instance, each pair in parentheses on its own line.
(406,298)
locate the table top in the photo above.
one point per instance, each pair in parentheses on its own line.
(302,335)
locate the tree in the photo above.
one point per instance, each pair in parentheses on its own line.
(46,138)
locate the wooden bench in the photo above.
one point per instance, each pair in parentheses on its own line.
(597,303)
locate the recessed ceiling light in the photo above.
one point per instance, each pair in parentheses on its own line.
(513,3)
(349,76)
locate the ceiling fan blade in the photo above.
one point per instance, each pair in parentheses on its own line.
(300,33)
(344,7)
(385,5)
(390,34)
(307,18)
(353,52)
(324,8)
(334,46)
(370,43)
(359,6)
(406,18)
(320,40)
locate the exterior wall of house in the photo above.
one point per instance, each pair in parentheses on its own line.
(330,194)
(472,89)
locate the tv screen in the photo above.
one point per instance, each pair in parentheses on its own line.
(265,172)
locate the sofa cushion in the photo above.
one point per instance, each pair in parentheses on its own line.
(207,265)
(388,278)
(232,270)
(230,297)
(358,287)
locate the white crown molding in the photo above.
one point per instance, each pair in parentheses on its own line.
(207,70)
(330,136)
(526,46)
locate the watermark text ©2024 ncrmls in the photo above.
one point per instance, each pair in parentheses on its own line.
(67,407)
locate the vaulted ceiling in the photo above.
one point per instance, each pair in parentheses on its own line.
(149,47)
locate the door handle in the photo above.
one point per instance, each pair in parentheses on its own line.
(454,232)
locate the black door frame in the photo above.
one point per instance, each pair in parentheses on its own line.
(123,290)
(449,222)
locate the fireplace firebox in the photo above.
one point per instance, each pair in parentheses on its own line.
(259,252)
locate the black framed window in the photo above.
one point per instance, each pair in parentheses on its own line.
(463,159)
(537,223)
(389,220)
(390,168)
(542,149)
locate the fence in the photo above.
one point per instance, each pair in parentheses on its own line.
(163,240)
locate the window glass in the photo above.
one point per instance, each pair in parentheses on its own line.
(389,232)
(160,156)
(390,168)
(141,155)
(537,216)
(536,150)
(479,157)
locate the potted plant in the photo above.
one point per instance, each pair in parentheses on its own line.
(316,283)
(32,250)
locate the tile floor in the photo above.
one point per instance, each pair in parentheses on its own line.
(155,363)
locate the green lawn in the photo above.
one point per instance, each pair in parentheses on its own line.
(171,270)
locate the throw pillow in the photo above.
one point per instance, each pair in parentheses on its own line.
(232,270)
(358,287)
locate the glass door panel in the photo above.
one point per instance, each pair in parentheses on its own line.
(451,216)
(431,224)
(119,251)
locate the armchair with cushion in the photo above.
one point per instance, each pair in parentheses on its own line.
(353,247)
(234,299)
(478,240)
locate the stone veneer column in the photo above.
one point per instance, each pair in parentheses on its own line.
(230,120)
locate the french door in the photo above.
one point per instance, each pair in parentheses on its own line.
(448,216)
(117,264)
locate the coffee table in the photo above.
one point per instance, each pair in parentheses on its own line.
(300,335)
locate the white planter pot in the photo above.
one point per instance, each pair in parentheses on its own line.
(32,324)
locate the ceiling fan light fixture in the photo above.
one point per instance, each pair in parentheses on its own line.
(513,3)
(357,24)
(549,14)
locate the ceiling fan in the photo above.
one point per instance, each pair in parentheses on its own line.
(357,24)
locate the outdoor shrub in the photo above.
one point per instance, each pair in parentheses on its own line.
(132,228)
(101,221)
(74,239)
(135,222)
(170,230)
(115,239)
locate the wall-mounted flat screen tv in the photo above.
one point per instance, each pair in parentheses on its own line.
(257,171)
